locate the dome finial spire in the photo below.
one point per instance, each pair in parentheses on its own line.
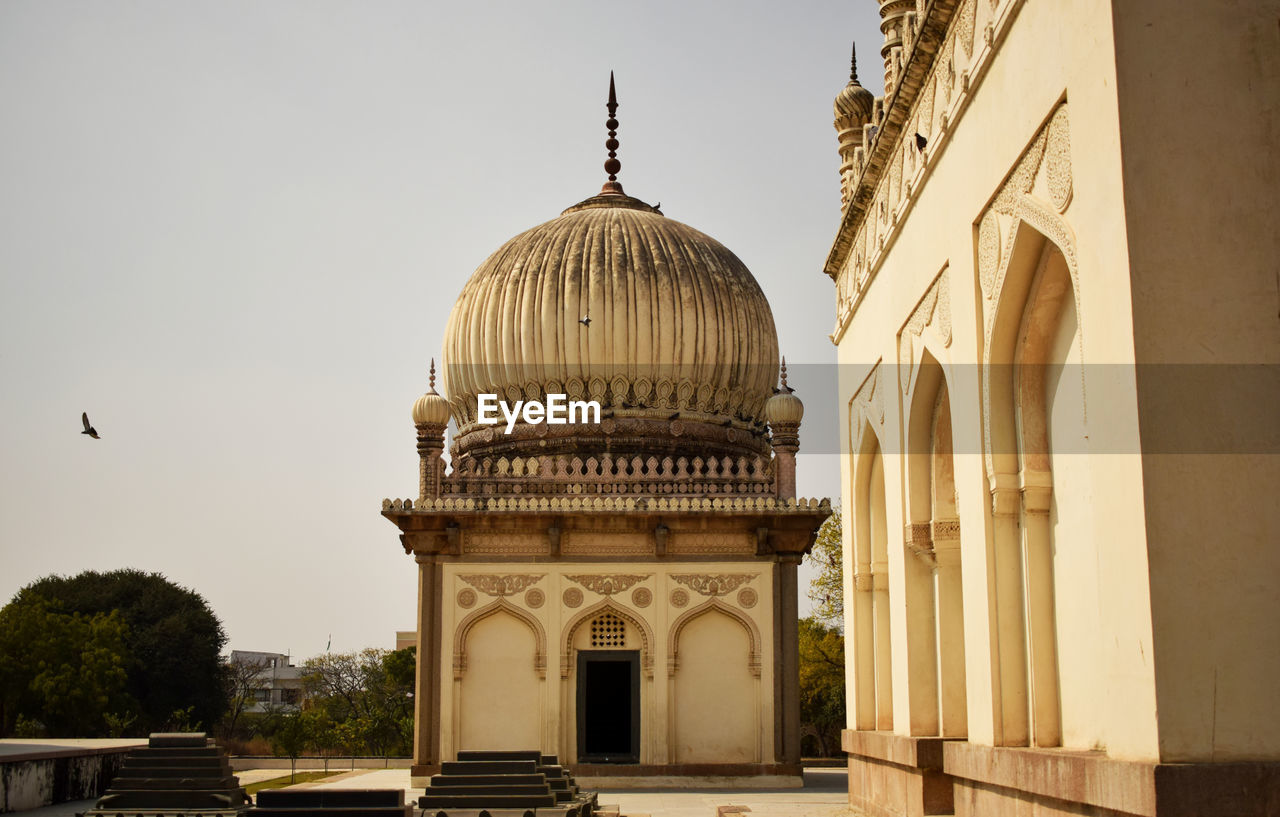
(785,387)
(432,382)
(612,165)
(853,63)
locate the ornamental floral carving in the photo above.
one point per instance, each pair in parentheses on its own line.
(608,584)
(572,597)
(713,585)
(507,584)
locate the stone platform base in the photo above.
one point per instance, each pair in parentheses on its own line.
(995,781)
(672,775)
(895,776)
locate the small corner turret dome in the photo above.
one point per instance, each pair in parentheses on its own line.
(784,408)
(431,408)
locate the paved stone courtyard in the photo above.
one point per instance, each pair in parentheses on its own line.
(824,795)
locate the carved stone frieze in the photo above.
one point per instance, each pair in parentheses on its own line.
(688,543)
(616,544)
(517,543)
(506,584)
(610,583)
(708,584)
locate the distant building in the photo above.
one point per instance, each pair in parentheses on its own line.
(1055,290)
(278,683)
(406,638)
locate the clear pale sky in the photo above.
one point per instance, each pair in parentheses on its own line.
(232,233)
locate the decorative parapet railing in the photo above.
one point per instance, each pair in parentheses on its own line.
(611,504)
(611,476)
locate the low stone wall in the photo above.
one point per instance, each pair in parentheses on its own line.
(36,773)
(240,763)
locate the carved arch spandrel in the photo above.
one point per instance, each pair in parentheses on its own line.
(607,605)
(713,605)
(1016,225)
(866,409)
(501,605)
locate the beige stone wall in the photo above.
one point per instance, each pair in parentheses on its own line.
(512,633)
(1201,173)
(1113,597)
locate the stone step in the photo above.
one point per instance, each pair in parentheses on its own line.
(192,783)
(174,772)
(353,811)
(486,801)
(177,751)
(467,755)
(150,761)
(476,791)
(490,779)
(450,767)
(170,799)
(173,740)
(330,798)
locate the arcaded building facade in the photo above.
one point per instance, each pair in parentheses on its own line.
(622,592)
(1056,315)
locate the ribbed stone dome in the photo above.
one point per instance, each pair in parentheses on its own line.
(680,347)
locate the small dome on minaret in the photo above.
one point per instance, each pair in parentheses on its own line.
(784,408)
(853,108)
(431,409)
(854,103)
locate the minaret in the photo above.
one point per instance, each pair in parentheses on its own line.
(893,16)
(784,411)
(430,417)
(853,108)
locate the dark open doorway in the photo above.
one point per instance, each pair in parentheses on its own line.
(609,706)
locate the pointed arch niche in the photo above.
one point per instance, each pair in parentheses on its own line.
(1034,406)
(713,663)
(873,685)
(935,633)
(499,670)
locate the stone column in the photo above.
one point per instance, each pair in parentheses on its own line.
(1046,728)
(789,638)
(946,550)
(1011,727)
(426,704)
(430,461)
(786,442)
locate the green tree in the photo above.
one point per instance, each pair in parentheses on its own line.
(827,589)
(173,641)
(291,738)
(63,671)
(367,695)
(822,699)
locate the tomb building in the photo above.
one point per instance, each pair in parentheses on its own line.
(1056,316)
(619,592)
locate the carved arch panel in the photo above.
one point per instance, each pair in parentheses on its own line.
(607,605)
(753,634)
(501,605)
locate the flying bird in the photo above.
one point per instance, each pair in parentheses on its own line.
(585,320)
(88,429)
(921,142)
